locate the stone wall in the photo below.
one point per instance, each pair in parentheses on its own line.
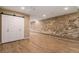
(63,26)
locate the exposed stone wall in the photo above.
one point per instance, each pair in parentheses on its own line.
(64,26)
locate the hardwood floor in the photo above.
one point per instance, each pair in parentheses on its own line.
(41,43)
(49,43)
(17,46)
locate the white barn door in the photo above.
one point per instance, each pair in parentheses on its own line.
(12,28)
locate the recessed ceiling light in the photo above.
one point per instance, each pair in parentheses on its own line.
(66,8)
(36,21)
(44,15)
(22,8)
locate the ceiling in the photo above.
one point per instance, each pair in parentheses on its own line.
(43,12)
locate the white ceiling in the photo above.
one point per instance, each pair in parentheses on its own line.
(36,12)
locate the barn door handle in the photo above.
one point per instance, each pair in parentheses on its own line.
(7,30)
(19,29)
